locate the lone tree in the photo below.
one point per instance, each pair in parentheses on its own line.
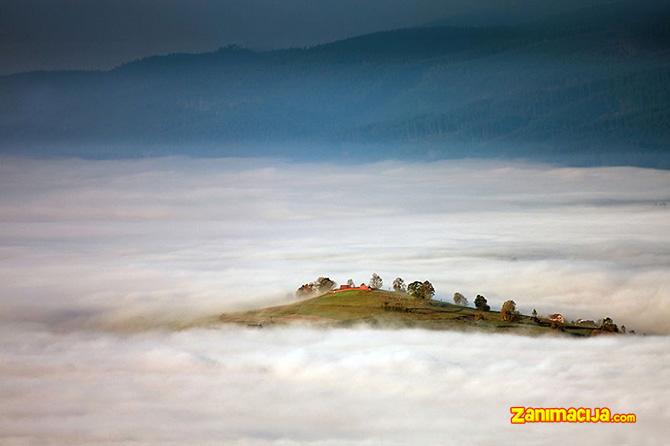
(481,303)
(534,314)
(375,281)
(459,299)
(351,283)
(421,290)
(508,311)
(399,285)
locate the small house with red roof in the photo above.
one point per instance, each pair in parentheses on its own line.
(362,287)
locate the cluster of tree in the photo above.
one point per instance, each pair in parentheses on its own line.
(508,310)
(607,324)
(421,290)
(509,313)
(418,289)
(480,302)
(425,290)
(319,286)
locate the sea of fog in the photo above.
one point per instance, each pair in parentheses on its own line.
(99,259)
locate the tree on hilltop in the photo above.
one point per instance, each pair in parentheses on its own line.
(319,286)
(508,311)
(375,282)
(399,285)
(324,284)
(421,290)
(481,303)
(413,288)
(607,324)
(427,290)
(459,299)
(305,290)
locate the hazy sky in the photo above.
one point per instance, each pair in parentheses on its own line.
(50,34)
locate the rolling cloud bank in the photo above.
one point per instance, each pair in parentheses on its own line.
(90,248)
(91,238)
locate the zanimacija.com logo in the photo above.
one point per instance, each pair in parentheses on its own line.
(523,415)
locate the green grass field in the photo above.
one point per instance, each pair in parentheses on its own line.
(393,310)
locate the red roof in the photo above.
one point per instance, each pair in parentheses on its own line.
(362,287)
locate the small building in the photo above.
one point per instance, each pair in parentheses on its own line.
(557,318)
(362,287)
(586,323)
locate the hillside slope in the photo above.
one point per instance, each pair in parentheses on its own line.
(392,310)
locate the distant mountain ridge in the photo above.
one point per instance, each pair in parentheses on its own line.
(586,87)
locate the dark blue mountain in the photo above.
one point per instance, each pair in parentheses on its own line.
(587,87)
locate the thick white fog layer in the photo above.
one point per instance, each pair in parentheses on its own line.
(82,241)
(324,387)
(90,248)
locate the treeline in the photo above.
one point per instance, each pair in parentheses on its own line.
(425,290)
(632,108)
(498,91)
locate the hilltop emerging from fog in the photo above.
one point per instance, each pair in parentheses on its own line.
(387,309)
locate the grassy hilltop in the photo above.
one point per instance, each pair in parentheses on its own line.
(394,310)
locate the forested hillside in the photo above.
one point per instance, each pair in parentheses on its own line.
(589,87)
